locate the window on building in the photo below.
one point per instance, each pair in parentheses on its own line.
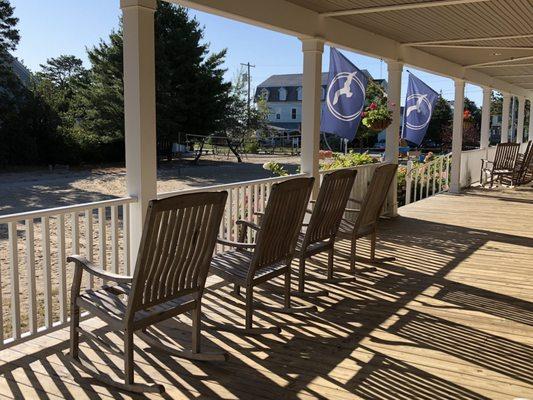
(282,94)
(293,113)
(299,93)
(264,93)
(278,113)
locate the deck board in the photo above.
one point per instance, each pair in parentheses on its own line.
(451,318)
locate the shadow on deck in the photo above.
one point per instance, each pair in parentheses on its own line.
(452,318)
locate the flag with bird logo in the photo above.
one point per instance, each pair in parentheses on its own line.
(419,104)
(345,97)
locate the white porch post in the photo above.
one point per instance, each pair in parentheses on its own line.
(521,117)
(139,111)
(457,138)
(393,131)
(506,108)
(311,104)
(485,119)
(530,132)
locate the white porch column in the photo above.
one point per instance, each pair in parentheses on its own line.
(395,69)
(311,97)
(506,108)
(139,111)
(485,119)
(521,117)
(530,132)
(457,138)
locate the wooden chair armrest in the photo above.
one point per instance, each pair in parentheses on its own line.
(93,269)
(355,200)
(248,224)
(238,245)
(352,210)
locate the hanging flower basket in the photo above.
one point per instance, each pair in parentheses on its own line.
(379,125)
(378,115)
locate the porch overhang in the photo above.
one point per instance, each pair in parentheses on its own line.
(502,59)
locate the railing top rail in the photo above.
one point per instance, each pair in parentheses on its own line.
(362,166)
(225,186)
(4,219)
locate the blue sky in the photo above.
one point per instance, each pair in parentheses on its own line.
(53,27)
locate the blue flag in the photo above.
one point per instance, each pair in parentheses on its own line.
(345,97)
(419,104)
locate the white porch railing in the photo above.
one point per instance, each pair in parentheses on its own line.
(34,276)
(245,200)
(428,179)
(364,175)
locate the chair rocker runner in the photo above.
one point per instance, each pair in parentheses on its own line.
(366,218)
(319,235)
(175,252)
(523,163)
(249,265)
(504,163)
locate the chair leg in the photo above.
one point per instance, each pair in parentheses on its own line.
(128,357)
(249,307)
(287,297)
(373,259)
(301,274)
(353,255)
(74,334)
(373,245)
(196,328)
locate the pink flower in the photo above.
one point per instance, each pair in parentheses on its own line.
(363,114)
(373,106)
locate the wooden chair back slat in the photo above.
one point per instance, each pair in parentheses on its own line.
(330,204)
(506,155)
(281,222)
(176,248)
(376,195)
(527,159)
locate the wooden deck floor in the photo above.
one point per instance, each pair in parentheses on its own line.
(452,318)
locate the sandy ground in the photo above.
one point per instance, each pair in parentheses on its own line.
(40,189)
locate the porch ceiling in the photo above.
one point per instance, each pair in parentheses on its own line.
(401,29)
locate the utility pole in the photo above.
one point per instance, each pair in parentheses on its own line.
(248,66)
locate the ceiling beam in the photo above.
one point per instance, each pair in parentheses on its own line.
(466,46)
(514,76)
(504,66)
(398,7)
(469,40)
(499,62)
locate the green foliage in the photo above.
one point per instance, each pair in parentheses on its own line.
(350,159)
(251,146)
(276,168)
(441,121)
(377,112)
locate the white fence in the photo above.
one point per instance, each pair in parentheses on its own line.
(34,276)
(427,179)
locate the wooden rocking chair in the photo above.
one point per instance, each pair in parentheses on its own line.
(251,264)
(172,265)
(326,216)
(366,218)
(523,163)
(504,163)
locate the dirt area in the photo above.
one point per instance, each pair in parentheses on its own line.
(27,190)
(38,189)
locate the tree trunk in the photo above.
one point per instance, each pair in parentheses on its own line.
(234,149)
(200,152)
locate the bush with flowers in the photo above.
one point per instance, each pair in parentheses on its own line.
(378,115)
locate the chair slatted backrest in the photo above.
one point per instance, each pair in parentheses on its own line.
(376,195)
(330,205)
(506,155)
(527,159)
(281,223)
(176,248)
